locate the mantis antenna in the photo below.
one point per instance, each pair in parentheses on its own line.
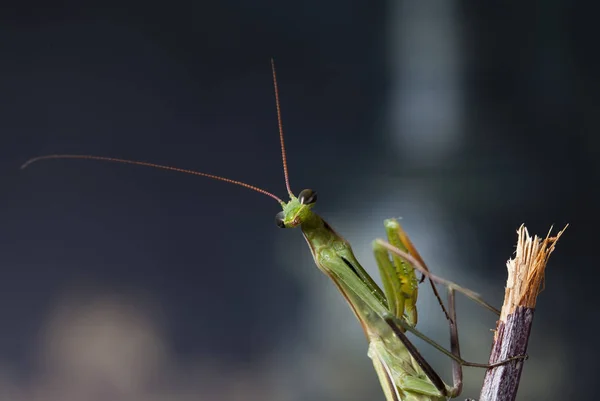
(159,166)
(280,124)
(192,172)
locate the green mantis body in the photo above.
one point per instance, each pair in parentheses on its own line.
(385,315)
(400,375)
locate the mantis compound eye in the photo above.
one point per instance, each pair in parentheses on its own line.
(279,220)
(307,196)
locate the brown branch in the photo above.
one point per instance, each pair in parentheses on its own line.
(524,284)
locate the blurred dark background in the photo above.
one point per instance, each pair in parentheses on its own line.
(124,283)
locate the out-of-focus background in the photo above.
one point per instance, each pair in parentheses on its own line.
(118,282)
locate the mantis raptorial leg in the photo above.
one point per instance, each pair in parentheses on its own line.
(385,315)
(418,264)
(396,235)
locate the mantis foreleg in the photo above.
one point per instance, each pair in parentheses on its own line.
(423,269)
(399,286)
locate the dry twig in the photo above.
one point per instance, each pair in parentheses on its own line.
(525,282)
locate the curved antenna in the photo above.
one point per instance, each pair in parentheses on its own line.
(159,166)
(280,124)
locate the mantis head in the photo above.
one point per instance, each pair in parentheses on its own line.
(297,210)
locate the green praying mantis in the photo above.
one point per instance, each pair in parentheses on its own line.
(386,315)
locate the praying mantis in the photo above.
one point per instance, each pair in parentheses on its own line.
(386,315)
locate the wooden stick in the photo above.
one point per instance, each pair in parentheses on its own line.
(524,284)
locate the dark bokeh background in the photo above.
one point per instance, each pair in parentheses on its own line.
(124,283)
